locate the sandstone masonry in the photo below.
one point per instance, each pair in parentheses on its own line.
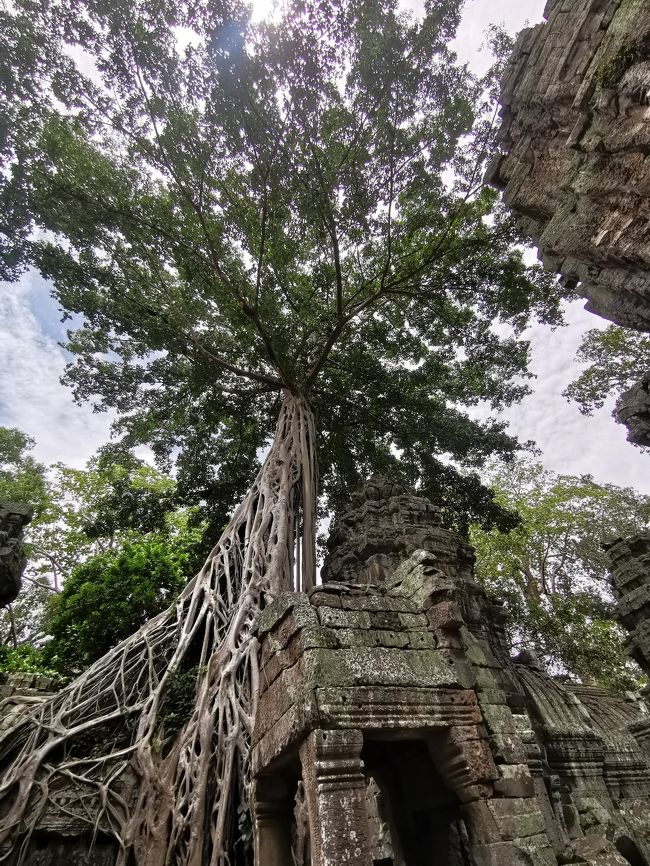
(575,139)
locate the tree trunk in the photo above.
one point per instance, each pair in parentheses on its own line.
(186,780)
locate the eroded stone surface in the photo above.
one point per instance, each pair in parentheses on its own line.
(633,411)
(629,564)
(13,519)
(575,139)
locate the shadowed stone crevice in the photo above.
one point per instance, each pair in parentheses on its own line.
(629,850)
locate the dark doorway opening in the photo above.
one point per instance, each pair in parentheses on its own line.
(422,815)
(628,849)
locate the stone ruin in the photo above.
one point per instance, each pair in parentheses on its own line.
(394,729)
(13,519)
(633,411)
(575,140)
(575,160)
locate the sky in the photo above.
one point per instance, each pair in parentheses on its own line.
(32,398)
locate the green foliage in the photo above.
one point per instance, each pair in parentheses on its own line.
(618,358)
(108,597)
(22,479)
(25,659)
(115,499)
(231,208)
(550,571)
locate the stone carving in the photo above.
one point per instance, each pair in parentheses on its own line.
(575,138)
(13,518)
(633,411)
(383,527)
(629,564)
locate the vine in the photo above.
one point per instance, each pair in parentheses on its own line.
(172,802)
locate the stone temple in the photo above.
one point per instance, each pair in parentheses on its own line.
(393,728)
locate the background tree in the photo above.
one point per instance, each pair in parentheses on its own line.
(618,358)
(109,596)
(116,499)
(22,479)
(551,570)
(280,221)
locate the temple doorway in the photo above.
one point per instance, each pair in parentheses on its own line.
(414,819)
(630,852)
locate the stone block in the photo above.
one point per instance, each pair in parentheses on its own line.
(389,708)
(507,748)
(412,620)
(421,640)
(516,817)
(514,781)
(498,717)
(445,615)
(381,666)
(332,617)
(279,607)
(349,637)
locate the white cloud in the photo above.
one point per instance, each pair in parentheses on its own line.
(573,443)
(31,396)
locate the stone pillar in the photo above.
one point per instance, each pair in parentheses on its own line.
(335,790)
(272,816)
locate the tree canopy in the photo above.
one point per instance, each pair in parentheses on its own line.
(618,358)
(551,570)
(115,500)
(228,209)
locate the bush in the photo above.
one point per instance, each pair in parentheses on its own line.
(25,659)
(109,597)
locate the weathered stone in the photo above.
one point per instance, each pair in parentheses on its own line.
(629,565)
(13,519)
(514,781)
(279,608)
(633,411)
(383,528)
(575,138)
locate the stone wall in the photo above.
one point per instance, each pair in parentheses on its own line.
(629,565)
(575,140)
(18,692)
(388,702)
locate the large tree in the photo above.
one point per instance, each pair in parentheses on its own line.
(248,221)
(551,570)
(616,358)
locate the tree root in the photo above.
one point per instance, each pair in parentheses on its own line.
(167,798)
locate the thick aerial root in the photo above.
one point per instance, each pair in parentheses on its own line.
(167,795)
